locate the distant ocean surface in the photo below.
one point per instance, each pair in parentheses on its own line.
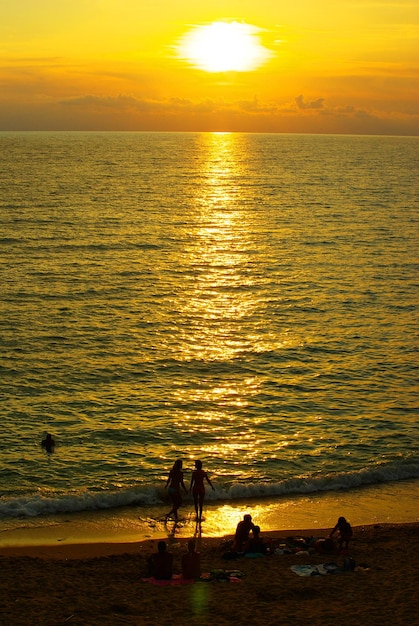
(246,299)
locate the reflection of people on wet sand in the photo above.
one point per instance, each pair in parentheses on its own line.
(344,531)
(175,482)
(160,564)
(242,533)
(48,443)
(191,562)
(198,488)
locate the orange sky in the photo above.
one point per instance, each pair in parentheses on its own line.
(334,66)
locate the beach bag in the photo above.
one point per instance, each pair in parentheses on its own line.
(349,564)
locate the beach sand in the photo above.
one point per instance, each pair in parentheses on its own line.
(94,584)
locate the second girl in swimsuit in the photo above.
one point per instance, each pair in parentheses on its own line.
(198,488)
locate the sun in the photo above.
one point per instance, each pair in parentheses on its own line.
(224,47)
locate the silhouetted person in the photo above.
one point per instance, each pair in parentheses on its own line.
(242,533)
(160,563)
(255,544)
(191,562)
(344,531)
(175,482)
(48,443)
(198,488)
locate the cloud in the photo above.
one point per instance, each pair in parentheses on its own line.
(171,105)
(118,102)
(254,106)
(126,102)
(136,112)
(174,105)
(314,104)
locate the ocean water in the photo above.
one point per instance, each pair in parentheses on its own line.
(246,299)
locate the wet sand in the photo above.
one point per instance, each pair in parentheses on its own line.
(392,503)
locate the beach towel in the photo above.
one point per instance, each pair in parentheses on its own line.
(320,569)
(176,579)
(253,555)
(224,576)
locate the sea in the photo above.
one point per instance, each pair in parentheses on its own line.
(249,300)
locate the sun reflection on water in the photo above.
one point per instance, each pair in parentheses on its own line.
(221,307)
(218,257)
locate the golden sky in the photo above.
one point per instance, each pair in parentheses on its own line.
(333,66)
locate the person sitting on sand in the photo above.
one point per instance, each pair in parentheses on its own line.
(175,482)
(198,488)
(344,530)
(242,533)
(48,443)
(191,562)
(160,564)
(255,544)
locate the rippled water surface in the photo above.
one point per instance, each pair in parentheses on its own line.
(249,300)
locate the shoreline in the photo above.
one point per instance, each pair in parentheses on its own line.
(391,503)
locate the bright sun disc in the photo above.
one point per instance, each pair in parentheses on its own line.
(224,47)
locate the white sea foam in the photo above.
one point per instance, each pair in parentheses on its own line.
(32,506)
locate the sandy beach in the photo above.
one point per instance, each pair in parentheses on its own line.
(103,584)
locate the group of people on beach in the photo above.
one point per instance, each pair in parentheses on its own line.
(242,543)
(160,563)
(247,542)
(248,545)
(175,483)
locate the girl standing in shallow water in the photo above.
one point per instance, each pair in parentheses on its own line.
(198,488)
(175,482)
